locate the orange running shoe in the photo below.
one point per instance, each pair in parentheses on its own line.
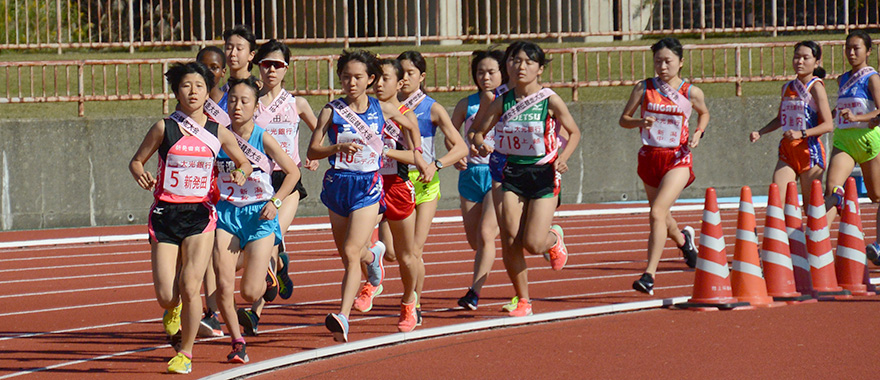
(523,308)
(407,320)
(558,252)
(364,300)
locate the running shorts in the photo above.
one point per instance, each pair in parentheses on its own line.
(496,166)
(425,192)
(474,182)
(172,222)
(345,191)
(245,223)
(862,144)
(655,162)
(803,154)
(531,181)
(278,177)
(400,197)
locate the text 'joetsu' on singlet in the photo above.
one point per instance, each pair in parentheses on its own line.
(281,119)
(367,159)
(393,138)
(257,187)
(186,166)
(489,140)
(797,110)
(529,136)
(855,96)
(670,128)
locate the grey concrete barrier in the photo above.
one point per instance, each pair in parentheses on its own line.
(72,173)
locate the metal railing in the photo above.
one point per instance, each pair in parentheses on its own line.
(61,24)
(575,69)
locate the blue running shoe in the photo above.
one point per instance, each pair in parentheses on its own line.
(375,269)
(248,320)
(338,325)
(470,300)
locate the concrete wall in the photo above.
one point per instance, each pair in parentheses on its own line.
(75,172)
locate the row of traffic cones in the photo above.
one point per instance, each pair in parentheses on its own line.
(798,266)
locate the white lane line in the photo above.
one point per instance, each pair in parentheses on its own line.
(326,226)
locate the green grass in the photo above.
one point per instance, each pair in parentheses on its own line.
(603,65)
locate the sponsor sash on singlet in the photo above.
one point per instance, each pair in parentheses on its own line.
(216,113)
(858,105)
(253,154)
(363,159)
(279,104)
(682,102)
(524,140)
(193,128)
(414,99)
(792,112)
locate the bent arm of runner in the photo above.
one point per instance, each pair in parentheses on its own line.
(698,100)
(148,146)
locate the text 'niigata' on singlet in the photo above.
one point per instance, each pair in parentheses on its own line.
(670,129)
(257,187)
(186,166)
(367,159)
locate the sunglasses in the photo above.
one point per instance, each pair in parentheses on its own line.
(266,64)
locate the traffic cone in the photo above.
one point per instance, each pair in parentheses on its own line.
(712,290)
(747,277)
(819,248)
(850,262)
(776,255)
(797,241)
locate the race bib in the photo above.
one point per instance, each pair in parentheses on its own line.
(521,139)
(187,176)
(364,160)
(792,115)
(257,187)
(858,106)
(665,132)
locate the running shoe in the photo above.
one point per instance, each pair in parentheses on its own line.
(210,326)
(689,250)
(839,195)
(418,315)
(271,283)
(285,284)
(338,325)
(558,253)
(171,320)
(873,253)
(470,300)
(523,308)
(375,269)
(364,300)
(408,319)
(238,353)
(180,364)
(175,340)
(249,321)
(512,305)
(644,284)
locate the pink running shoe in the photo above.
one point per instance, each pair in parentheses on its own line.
(407,320)
(558,253)
(364,300)
(523,308)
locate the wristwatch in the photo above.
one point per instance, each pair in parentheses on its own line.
(276,202)
(438,164)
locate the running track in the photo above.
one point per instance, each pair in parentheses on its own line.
(87,310)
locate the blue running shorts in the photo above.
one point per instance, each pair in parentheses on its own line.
(245,223)
(345,191)
(474,182)
(497,162)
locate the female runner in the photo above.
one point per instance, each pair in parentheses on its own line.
(182,218)
(804,115)
(474,179)
(247,226)
(352,188)
(856,141)
(279,113)
(530,185)
(665,164)
(430,115)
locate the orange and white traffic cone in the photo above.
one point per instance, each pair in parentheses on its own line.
(712,290)
(850,262)
(794,226)
(819,248)
(776,254)
(747,277)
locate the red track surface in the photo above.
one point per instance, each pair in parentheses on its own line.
(88,310)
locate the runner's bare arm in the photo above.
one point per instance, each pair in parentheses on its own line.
(635,99)
(561,113)
(698,100)
(149,146)
(409,126)
(277,154)
(490,117)
(317,149)
(826,122)
(454,142)
(306,115)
